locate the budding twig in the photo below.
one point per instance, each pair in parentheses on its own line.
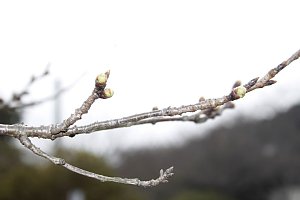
(208,108)
(99,92)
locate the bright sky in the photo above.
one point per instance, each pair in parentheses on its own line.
(160,53)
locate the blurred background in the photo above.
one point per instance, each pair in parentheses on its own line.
(160,53)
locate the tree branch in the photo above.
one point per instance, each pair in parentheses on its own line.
(163,177)
(49,98)
(18,96)
(198,118)
(98,92)
(208,108)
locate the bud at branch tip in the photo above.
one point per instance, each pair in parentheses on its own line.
(101,79)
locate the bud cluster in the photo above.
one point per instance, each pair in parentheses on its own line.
(100,84)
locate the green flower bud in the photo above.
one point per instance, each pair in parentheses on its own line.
(107,93)
(101,79)
(239,92)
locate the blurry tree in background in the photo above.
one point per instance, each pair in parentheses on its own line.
(9,155)
(248,161)
(9,115)
(29,181)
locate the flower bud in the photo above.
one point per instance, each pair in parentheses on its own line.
(237,84)
(154,108)
(201,99)
(239,92)
(106,93)
(270,82)
(101,79)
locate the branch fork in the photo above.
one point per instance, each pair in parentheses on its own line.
(201,111)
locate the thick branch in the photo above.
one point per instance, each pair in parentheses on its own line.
(64,129)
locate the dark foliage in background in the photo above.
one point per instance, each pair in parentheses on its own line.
(47,182)
(9,115)
(20,180)
(23,181)
(246,161)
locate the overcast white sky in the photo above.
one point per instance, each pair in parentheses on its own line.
(161,53)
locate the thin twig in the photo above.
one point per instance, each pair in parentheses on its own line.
(99,91)
(273,72)
(62,127)
(49,98)
(17,96)
(163,177)
(198,118)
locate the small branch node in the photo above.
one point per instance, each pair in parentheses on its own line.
(58,161)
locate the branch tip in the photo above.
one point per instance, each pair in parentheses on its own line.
(251,83)
(101,79)
(270,82)
(236,84)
